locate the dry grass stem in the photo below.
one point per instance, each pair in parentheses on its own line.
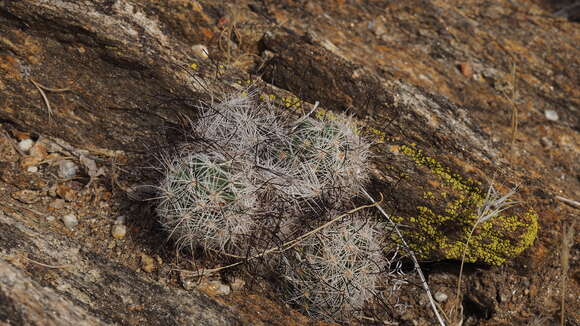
(570,202)
(41,88)
(413,257)
(491,207)
(284,247)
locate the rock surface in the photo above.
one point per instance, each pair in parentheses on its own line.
(454,95)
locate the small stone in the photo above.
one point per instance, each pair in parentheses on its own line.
(551,115)
(147,263)
(120,219)
(237,284)
(52,191)
(215,287)
(547,142)
(26,196)
(504,296)
(70,221)
(466,69)
(39,151)
(118,231)
(29,161)
(200,51)
(26,144)
(441,297)
(67,169)
(188,281)
(57,204)
(66,191)
(32,169)
(50,218)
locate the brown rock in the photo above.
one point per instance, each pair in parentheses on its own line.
(38,151)
(27,196)
(29,161)
(466,69)
(68,190)
(29,297)
(7,151)
(57,204)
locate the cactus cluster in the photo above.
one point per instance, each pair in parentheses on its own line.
(335,274)
(251,178)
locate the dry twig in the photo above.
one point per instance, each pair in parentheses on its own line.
(41,88)
(412,254)
(284,247)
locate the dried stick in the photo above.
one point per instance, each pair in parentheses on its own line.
(41,88)
(284,247)
(570,202)
(413,257)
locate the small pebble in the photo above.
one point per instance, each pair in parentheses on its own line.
(547,142)
(67,169)
(38,151)
(70,221)
(147,263)
(466,69)
(57,204)
(119,231)
(32,169)
(216,288)
(441,297)
(200,51)
(50,218)
(26,144)
(68,191)
(551,115)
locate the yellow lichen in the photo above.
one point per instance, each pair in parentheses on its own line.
(445,232)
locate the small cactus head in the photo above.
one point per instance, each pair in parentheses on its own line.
(335,273)
(205,202)
(334,151)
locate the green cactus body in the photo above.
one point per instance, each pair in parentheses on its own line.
(205,203)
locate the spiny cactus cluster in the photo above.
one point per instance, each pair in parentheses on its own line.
(334,274)
(251,179)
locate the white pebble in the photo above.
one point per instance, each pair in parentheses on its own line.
(441,297)
(50,218)
(70,221)
(26,144)
(200,51)
(32,169)
(551,115)
(119,231)
(120,219)
(218,288)
(67,169)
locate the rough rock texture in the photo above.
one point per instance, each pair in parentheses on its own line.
(453,93)
(85,288)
